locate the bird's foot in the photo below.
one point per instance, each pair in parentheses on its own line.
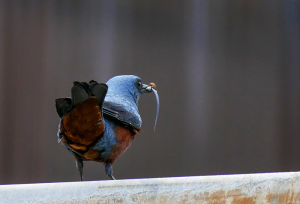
(109,171)
(79,165)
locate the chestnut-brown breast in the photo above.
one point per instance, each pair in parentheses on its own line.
(124,137)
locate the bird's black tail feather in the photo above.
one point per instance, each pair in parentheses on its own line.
(98,90)
(80,92)
(63,106)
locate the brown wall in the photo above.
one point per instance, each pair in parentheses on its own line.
(227,74)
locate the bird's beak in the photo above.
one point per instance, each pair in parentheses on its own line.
(148,89)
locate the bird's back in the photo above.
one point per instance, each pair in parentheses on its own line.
(83,125)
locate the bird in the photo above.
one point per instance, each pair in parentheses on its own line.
(99,121)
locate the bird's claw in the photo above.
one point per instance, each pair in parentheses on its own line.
(109,171)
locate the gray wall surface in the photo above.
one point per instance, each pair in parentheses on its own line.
(227,73)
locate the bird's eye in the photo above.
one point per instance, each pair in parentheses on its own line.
(139,84)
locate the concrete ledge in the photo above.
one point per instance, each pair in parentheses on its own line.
(244,188)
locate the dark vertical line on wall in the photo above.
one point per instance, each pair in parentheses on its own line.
(51,77)
(2,19)
(290,98)
(39,128)
(124,57)
(6,134)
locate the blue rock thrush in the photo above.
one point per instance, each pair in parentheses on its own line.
(99,122)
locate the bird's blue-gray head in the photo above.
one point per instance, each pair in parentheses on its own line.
(128,86)
(126,91)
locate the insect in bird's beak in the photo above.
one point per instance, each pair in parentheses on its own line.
(152,88)
(148,88)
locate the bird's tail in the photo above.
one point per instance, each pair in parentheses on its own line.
(81,91)
(81,115)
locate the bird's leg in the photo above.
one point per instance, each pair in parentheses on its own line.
(109,171)
(79,165)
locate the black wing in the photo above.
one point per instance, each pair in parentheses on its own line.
(118,112)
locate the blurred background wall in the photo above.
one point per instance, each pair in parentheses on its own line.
(227,73)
